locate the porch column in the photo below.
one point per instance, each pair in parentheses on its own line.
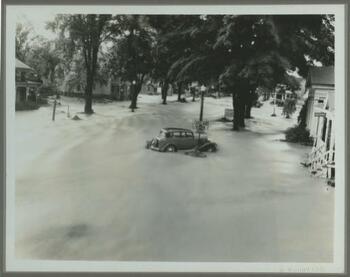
(27,93)
(317,136)
(17,94)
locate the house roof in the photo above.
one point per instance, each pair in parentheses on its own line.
(176,129)
(321,76)
(22,65)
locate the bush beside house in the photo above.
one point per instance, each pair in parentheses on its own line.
(299,133)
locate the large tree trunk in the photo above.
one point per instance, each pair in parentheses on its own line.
(89,81)
(249,102)
(88,94)
(165,88)
(134,94)
(91,63)
(236,121)
(241,111)
(133,104)
(247,112)
(238,98)
(179,91)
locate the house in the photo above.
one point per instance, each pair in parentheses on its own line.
(281,94)
(278,95)
(115,89)
(320,119)
(27,83)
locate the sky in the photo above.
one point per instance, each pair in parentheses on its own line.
(38,23)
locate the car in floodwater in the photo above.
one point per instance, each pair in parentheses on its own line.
(173,139)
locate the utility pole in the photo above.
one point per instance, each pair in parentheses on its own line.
(54,110)
(133,92)
(202,102)
(201,114)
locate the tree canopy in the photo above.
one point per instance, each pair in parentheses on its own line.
(237,53)
(130,57)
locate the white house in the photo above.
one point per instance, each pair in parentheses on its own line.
(320,119)
(27,83)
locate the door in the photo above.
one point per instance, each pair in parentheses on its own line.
(188,140)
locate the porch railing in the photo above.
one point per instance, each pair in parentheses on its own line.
(321,161)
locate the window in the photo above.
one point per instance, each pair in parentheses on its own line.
(177,134)
(320,101)
(328,143)
(164,134)
(168,135)
(324,129)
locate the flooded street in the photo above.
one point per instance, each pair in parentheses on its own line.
(89,190)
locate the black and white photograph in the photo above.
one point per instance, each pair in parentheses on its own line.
(176,136)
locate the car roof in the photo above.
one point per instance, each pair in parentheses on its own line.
(168,129)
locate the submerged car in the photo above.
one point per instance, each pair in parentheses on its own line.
(173,139)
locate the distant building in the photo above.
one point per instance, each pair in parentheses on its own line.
(27,83)
(320,118)
(115,89)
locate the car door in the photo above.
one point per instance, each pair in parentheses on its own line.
(188,140)
(177,139)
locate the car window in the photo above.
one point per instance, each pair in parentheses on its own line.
(189,134)
(177,134)
(168,135)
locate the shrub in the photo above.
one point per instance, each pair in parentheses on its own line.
(42,101)
(26,106)
(47,90)
(258,104)
(299,134)
(289,107)
(302,114)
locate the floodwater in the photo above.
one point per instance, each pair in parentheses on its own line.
(89,190)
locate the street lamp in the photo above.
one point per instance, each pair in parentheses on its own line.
(133,96)
(274,103)
(203,88)
(213,91)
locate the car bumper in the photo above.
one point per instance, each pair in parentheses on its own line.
(152,145)
(154,148)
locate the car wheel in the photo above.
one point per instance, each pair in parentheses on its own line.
(170,148)
(212,148)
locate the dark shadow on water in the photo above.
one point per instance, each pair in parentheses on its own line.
(227,127)
(77,231)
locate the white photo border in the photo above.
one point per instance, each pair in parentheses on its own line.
(338,265)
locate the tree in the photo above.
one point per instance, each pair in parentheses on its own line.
(289,107)
(253,60)
(39,53)
(165,50)
(302,117)
(44,58)
(130,58)
(197,61)
(223,48)
(22,41)
(86,33)
(251,51)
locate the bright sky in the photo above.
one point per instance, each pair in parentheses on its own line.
(38,22)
